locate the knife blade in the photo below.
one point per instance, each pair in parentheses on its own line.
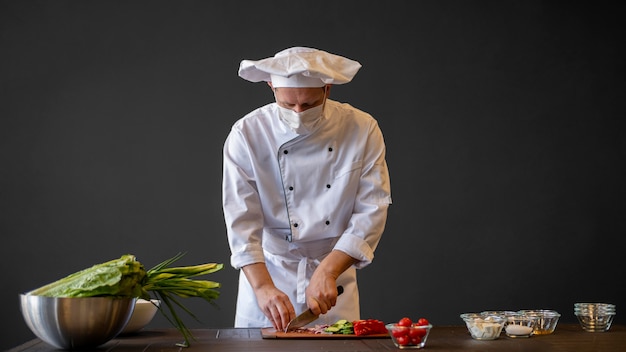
(306,317)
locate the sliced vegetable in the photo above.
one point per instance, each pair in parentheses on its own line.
(369,327)
(342,326)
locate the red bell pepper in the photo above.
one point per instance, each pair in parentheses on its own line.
(369,327)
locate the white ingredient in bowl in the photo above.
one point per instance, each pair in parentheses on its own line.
(513,329)
(484,329)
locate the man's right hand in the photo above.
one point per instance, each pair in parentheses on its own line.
(274,303)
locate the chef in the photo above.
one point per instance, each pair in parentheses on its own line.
(305,192)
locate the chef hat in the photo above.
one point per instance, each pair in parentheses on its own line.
(300,67)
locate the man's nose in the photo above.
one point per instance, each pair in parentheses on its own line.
(299,108)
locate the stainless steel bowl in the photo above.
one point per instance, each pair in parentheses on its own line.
(75,323)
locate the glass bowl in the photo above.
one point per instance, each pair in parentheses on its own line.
(595,317)
(405,337)
(482,326)
(520,325)
(595,323)
(594,307)
(546,322)
(504,313)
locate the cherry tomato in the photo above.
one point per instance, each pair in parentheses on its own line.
(406,321)
(416,340)
(417,332)
(403,340)
(422,322)
(399,331)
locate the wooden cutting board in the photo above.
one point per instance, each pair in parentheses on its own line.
(271,333)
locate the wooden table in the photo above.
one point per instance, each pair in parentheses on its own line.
(567,337)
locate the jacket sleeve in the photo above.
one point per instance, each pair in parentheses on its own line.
(241,203)
(373,198)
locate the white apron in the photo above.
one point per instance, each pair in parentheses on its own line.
(289,263)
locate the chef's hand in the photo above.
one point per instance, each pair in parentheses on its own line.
(321,294)
(274,303)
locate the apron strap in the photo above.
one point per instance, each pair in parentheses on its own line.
(302,277)
(307,255)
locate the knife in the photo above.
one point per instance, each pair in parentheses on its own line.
(307,316)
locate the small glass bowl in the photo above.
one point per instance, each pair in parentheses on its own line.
(595,317)
(546,322)
(520,325)
(595,323)
(483,326)
(503,313)
(594,307)
(405,337)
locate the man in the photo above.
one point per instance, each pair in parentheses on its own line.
(305,192)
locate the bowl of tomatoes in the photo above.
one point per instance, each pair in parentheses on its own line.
(409,334)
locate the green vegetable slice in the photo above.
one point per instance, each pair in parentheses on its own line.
(342,326)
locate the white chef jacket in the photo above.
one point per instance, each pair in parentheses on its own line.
(290,199)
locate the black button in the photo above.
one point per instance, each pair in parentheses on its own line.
(327,186)
(285,152)
(330,149)
(290,188)
(327,222)
(295,225)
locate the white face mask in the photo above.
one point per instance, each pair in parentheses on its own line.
(302,122)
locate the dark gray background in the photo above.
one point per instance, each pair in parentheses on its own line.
(504,123)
